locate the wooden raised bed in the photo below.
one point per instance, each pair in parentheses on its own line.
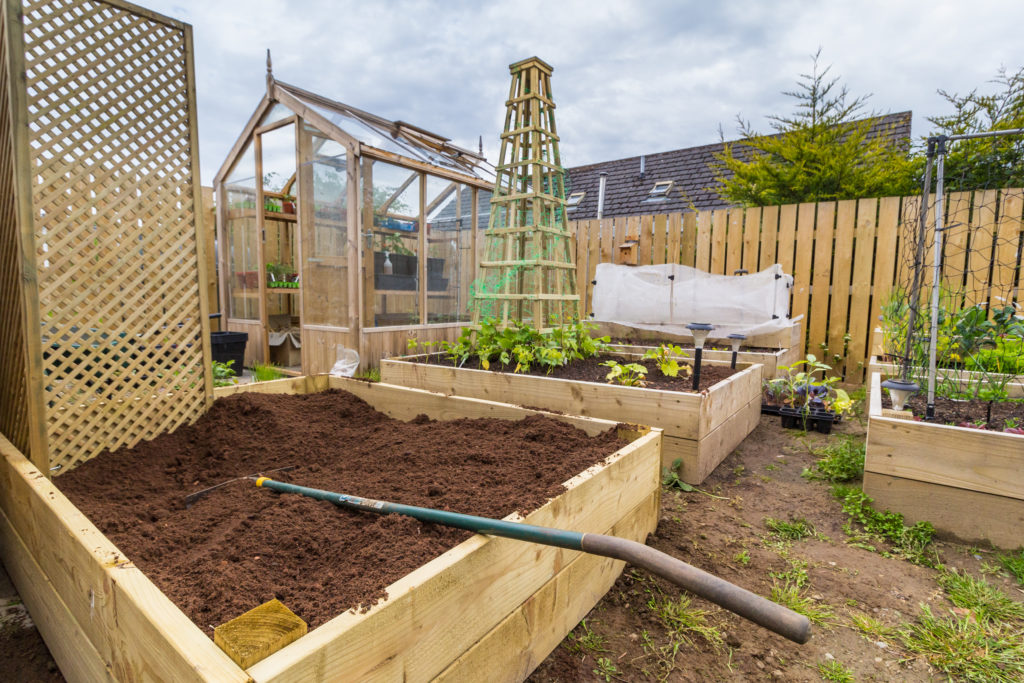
(768,360)
(488,607)
(969,483)
(701,429)
(1014,387)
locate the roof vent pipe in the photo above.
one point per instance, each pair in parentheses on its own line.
(600,194)
(643,165)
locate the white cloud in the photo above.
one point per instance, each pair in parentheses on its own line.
(630,77)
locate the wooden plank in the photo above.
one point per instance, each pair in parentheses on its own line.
(106,594)
(787,238)
(719,229)
(659,255)
(74,654)
(974,459)
(675,236)
(804,244)
(646,236)
(1004,269)
(424,624)
(702,241)
(514,648)
(954,253)
(751,238)
(607,240)
(769,239)
(817,317)
(983,227)
(700,458)
(734,242)
(970,517)
(842,259)
(886,236)
(860,290)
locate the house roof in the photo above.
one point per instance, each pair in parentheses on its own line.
(690,170)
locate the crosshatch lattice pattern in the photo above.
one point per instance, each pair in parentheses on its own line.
(114,225)
(13,378)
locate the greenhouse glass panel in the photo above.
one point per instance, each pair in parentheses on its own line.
(325,272)
(391,223)
(242,255)
(449,250)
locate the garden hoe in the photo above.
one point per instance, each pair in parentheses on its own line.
(768,614)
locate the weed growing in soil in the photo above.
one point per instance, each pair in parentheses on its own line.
(913,543)
(795,575)
(587,640)
(265,373)
(793,530)
(841,460)
(607,669)
(742,557)
(966,648)
(683,621)
(871,628)
(1014,564)
(670,480)
(988,603)
(370,375)
(833,670)
(789,595)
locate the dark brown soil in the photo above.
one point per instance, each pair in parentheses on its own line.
(761,480)
(241,546)
(976,413)
(591,370)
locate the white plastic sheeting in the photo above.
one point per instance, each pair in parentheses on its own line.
(665,298)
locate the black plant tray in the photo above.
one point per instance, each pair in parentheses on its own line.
(813,419)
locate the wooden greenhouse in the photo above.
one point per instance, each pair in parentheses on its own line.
(324,214)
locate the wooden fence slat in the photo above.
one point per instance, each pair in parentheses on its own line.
(751,238)
(644,250)
(688,242)
(769,237)
(703,237)
(787,238)
(734,242)
(842,266)
(817,324)
(886,245)
(801,269)
(658,256)
(954,251)
(719,227)
(593,258)
(979,260)
(1005,251)
(675,235)
(860,290)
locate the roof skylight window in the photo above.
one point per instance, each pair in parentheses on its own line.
(574,200)
(660,191)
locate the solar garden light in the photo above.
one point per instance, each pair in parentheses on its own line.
(735,340)
(900,391)
(700,333)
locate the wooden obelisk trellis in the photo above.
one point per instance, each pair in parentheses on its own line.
(528,273)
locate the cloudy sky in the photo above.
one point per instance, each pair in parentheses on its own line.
(631,77)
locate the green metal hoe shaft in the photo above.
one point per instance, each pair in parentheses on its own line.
(749,605)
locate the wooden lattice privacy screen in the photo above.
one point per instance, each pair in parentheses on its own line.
(527,272)
(104,337)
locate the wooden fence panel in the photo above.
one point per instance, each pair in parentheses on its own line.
(844,256)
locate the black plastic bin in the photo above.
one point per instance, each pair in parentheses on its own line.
(228,346)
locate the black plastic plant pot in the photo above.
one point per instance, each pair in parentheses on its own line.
(769,409)
(815,420)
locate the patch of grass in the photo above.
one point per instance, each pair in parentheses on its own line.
(789,595)
(842,459)
(1014,564)
(913,543)
(988,603)
(965,648)
(771,467)
(833,670)
(871,628)
(370,375)
(586,640)
(684,620)
(742,557)
(793,530)
(265,373)
(796,574)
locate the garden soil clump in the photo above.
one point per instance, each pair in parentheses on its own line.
(241,546)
